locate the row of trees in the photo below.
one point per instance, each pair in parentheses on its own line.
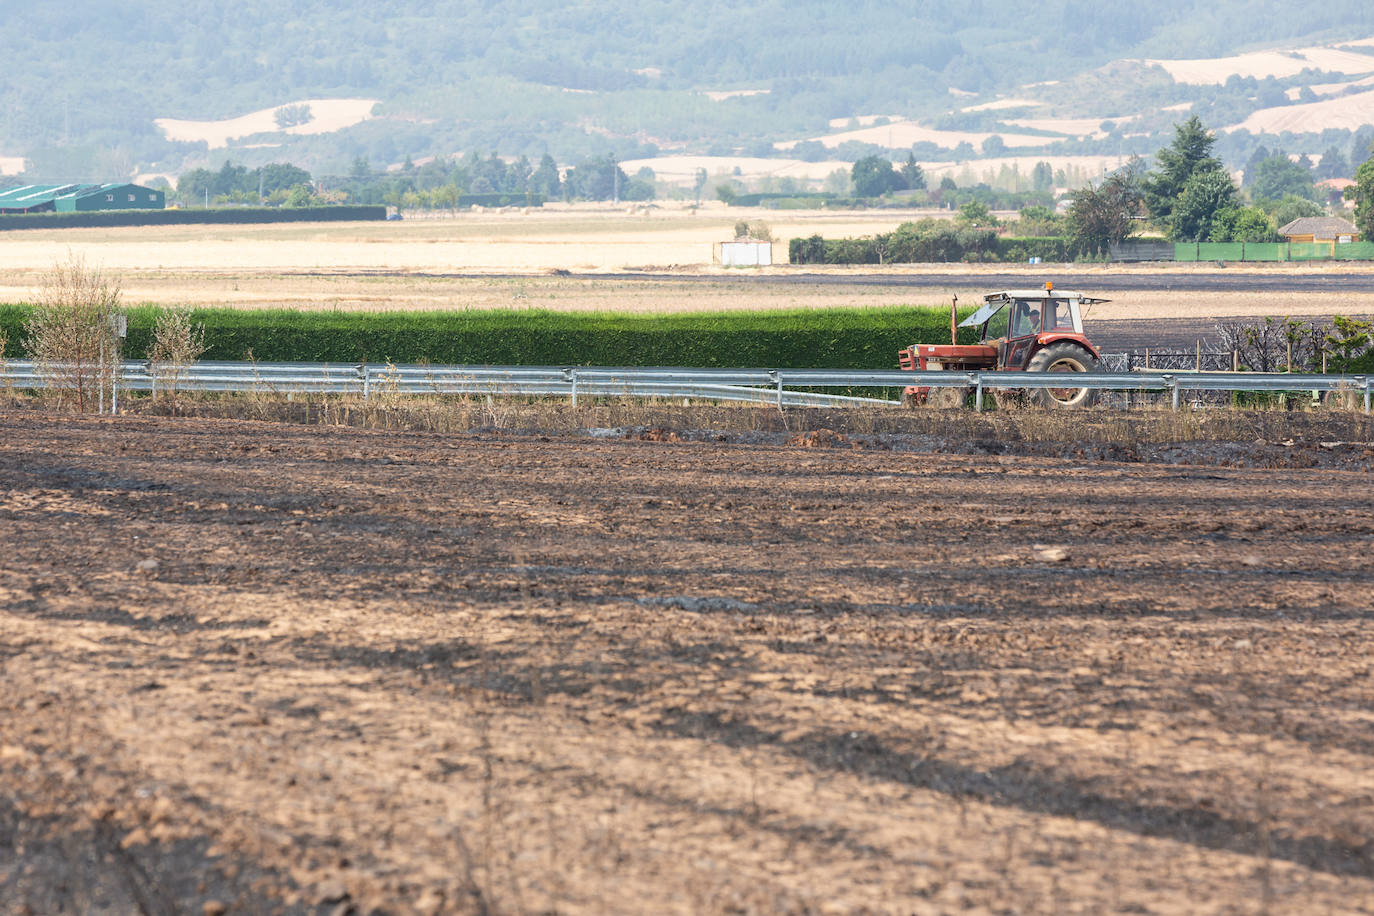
(874,176)
(438,184)
(1191,196)
(447,179)
(279,183)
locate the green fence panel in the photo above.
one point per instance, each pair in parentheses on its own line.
(1309,251)
(1220,251)
(1355,251)
(1272,251)
(1265,251)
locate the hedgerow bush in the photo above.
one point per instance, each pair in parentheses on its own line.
(820,338)
(925,242)
(521,199)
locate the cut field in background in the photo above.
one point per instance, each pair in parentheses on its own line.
(326,115)
(514,260)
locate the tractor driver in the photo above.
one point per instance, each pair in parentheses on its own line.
(1029,321)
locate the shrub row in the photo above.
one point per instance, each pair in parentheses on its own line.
(782,200)
(822,338)
(912,248)
(522,199)
(105,218)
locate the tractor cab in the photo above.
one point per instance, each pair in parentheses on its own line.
(1018,323)
(1036,330)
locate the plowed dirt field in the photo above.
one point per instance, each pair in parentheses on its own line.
(248,667)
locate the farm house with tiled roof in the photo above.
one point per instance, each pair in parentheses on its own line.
(1320,229)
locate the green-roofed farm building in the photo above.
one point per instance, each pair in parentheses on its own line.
(70,198)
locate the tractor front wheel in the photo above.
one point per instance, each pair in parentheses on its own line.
(945,398)
(1063,357)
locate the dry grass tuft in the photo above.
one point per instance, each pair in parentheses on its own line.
(71,333)
(177,344)
(802,426)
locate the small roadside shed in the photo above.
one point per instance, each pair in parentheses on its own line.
(744,253)
(1328,229)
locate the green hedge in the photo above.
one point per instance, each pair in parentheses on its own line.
(105,218)
(819,338)
(1360,365)
(915,244)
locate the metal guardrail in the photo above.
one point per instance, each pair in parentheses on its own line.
(766,386)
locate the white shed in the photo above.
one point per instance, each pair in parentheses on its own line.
(745,253)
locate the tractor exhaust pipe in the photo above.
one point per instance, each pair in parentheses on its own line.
(953,320)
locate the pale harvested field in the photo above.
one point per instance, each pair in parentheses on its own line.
(582,240)
(1074,127)
(508,260)
(328,115)
(1348,111)
(1260,64)
(683,169)
(904,133)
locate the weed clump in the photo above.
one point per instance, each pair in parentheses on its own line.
(71,332)
(177,344)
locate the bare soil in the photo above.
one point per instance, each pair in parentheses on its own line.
(263,667)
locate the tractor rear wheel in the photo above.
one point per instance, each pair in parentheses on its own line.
(1063,357)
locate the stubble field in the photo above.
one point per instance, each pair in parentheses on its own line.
(578,260)
(279,668)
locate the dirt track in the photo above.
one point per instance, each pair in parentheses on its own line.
(274,665)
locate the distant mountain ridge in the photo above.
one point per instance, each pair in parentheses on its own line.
(86,80)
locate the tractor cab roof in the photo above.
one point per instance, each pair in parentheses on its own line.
(994,301)
(1038,294)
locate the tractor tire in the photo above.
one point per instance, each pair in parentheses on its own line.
(1063,357)
(1344,399)
(945,398)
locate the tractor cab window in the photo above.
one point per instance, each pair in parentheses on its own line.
(1061,316)
(1025,317)
(996,325)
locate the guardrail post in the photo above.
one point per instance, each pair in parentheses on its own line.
(773,374)
(365,373)
(978,392)
(1173,386)
(570,376)
(1365,382)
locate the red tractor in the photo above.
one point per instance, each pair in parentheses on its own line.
(1037,330)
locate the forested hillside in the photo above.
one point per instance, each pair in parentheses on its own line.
(85,78)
